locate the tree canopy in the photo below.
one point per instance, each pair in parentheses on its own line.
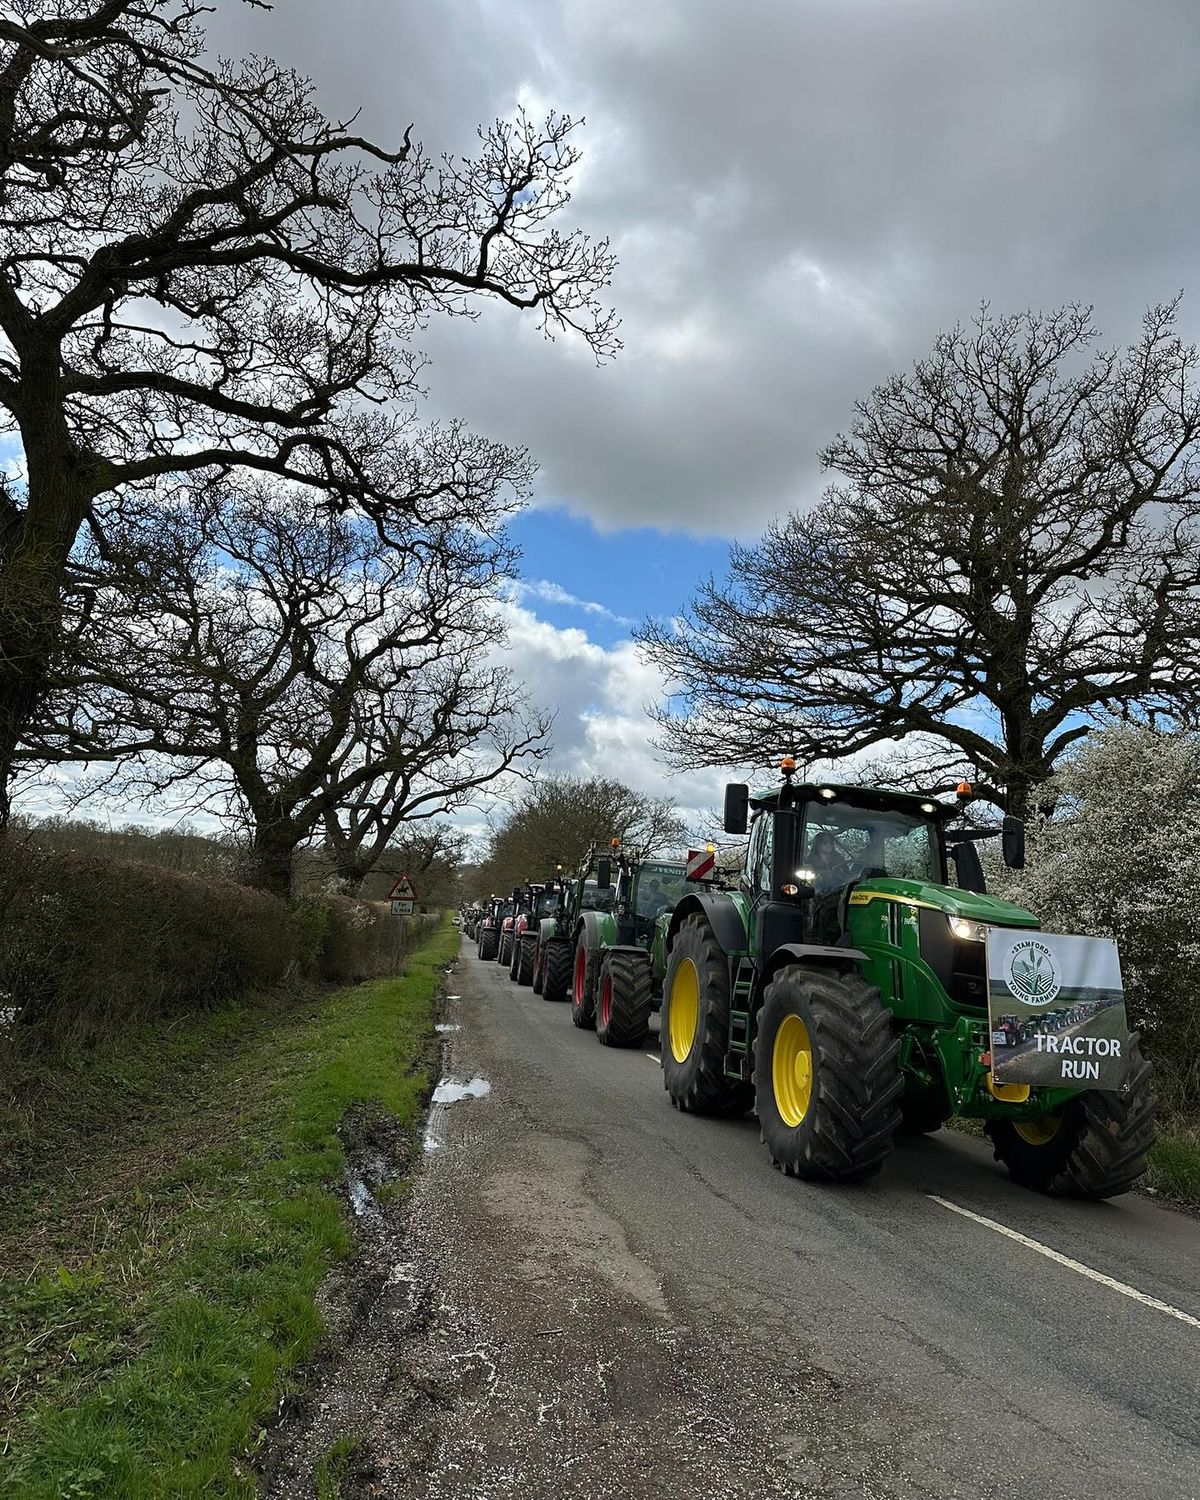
(1009,559)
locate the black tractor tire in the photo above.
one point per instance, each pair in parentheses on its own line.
(584,976)
(489,940)
(522,970)
(514,955)
(846,1129)
(625,999)
(539,969)
(504,951)
(1100,1146)
(556,968)
(697,1081)
(922,1114)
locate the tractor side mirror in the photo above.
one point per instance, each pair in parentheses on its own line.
(737,807)
(603,874)
(1012,843)
(967,868)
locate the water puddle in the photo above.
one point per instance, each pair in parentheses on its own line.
(361,1197)
(453,997)
(445,1026)
(451,1091)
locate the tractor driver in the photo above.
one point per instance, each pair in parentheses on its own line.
(871,859)
(830,867)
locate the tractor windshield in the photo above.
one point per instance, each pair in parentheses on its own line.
(844,843)
(660,888)
(547,903)
(595,899)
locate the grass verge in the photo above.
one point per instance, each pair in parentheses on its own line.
(145,1364)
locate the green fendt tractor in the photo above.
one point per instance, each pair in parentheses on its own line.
(842,991)
(539,902)
(620,954)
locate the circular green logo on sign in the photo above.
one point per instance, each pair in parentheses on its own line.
(1032,977)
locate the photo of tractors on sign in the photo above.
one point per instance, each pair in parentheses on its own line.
(836,986)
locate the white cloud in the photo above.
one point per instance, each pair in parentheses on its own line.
(554,593)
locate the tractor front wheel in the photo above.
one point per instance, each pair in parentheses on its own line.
(626,999)
(526,953)
(1094,1147)
(504,951)
(556,970)
(694,1025)
(583,985)
(826,1076)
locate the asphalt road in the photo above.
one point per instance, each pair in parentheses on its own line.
(603,1297)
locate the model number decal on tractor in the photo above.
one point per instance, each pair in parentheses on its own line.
(1057,1010)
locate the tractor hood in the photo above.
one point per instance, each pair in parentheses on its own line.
(950,899)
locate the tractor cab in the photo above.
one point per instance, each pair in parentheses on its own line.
(821,854)
(644,892)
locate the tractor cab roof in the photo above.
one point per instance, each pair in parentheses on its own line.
(792,794)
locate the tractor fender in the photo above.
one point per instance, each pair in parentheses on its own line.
(813,953)
(723,917)
(597,929)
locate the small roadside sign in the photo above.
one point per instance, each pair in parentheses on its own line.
(700,863)
(402,897)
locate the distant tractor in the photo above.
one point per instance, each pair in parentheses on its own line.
(1007,1033)
(841,991)
(539,901)
(488,930)
(625,948)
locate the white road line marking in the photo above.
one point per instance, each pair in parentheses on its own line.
(1065,1260)
(653,1056)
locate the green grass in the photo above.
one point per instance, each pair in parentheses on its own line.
(146,1365)
(1175,1164)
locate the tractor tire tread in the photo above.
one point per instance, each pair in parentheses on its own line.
(632,979)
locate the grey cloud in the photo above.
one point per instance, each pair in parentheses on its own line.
(802,194)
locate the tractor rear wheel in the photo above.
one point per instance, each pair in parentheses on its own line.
(626,998)
(514,954)
(827,1083)
(1094,1147)
(488,938)
(539,968)
(504,951)
(694,1025)
(523,962)
(583,985)
(556,970)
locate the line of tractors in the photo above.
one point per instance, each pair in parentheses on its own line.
(837,985)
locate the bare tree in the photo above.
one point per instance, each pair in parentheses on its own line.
(199,273)
(246,654)
(1011,559)
(558,818)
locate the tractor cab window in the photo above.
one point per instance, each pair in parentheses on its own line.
(594,899)
(758,856)
(546,903)
(660,889)
(843,843)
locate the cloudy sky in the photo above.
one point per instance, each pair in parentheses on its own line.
(801,193)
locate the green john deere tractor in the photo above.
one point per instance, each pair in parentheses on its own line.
(842,991)
(620,954)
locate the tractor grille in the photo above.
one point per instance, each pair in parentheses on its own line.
(960,966)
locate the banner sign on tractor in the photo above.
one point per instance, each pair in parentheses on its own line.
(700,863)
(1056,1008)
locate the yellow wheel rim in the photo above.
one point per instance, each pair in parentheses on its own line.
(792,1070)
(683,1010)
(1039,1132)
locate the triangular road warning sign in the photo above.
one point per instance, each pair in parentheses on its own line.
(402,890)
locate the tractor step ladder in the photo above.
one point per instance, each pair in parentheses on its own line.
(738,1062)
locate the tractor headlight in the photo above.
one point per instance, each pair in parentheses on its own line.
(968,931)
